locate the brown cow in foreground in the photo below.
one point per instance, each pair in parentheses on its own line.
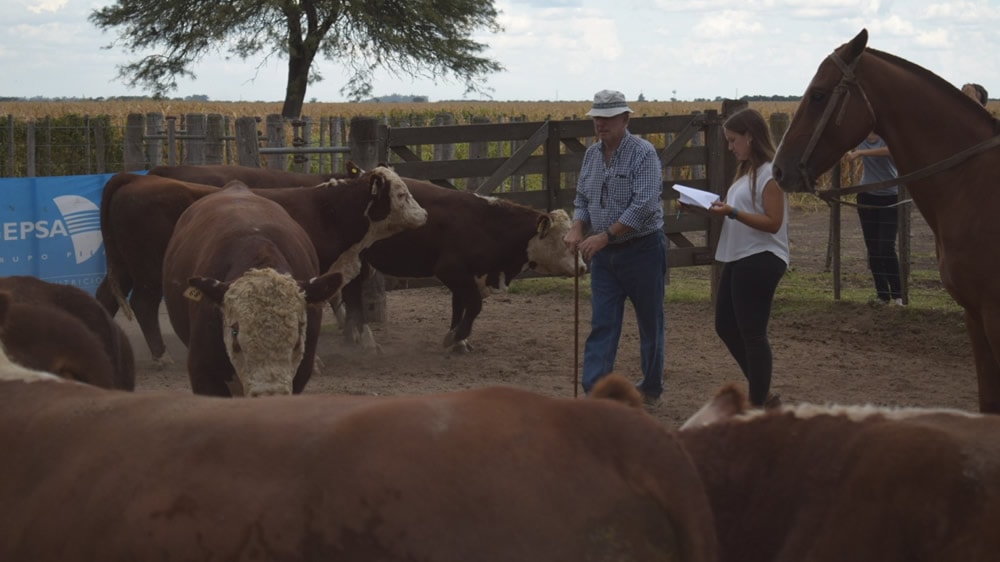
(488,475)
(837,483)
(138,213)
(474,245)
(241,284)
(63,330)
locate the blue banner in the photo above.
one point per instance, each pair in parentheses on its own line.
(51,229)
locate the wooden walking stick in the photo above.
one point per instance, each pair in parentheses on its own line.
(576,326)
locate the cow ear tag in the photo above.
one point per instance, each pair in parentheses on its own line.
(193,293)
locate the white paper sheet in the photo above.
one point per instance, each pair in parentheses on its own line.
(696,197)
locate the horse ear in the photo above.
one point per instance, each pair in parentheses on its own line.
(858,44)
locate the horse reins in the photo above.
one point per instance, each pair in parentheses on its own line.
(841,94)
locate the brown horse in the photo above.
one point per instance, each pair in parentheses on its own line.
(943,144)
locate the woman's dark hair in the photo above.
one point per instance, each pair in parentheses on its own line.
(750,121)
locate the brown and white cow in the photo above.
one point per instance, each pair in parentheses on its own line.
(859,483)
(474,245)
(63,330)
(261,178)
(491,475)
(138,213)
(241,285)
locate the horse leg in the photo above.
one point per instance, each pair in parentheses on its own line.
(985,338)
(145,304)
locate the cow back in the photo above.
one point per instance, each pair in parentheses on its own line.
(862,484)
(221,174)
(488,475)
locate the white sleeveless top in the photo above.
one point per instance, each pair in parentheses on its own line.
(738,240)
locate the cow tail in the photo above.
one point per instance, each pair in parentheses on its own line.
(112,255)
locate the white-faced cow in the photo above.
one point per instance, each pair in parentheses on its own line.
(138,213)
(474,245)
(836,483)
(63,330)
(241,285)
(490,475)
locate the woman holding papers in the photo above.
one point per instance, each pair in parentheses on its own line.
(753,248)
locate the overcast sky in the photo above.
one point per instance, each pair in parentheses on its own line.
(558,50)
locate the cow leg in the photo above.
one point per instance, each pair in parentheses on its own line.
(984,333)
(355,326)
(145,303)
(466,304)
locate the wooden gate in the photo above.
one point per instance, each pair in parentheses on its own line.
(547,156)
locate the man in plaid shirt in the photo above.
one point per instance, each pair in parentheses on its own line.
(618,228)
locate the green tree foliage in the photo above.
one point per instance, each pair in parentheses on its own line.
(418,38)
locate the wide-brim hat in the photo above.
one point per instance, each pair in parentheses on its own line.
(608,103)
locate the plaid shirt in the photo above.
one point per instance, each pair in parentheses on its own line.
(628,190)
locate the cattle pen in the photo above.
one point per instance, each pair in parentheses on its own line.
(532,162)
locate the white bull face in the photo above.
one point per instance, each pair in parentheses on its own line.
(403,210)
(547,253)
(264,328)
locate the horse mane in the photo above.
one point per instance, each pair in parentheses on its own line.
(918,70)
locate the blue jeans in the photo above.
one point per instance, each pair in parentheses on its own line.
(633,270)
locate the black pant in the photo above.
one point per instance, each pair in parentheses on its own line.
(742,312)
(879,224)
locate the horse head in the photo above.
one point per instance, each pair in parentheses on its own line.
(833,117)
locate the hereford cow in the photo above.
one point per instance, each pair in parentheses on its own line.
(249,326)
(63,330)
(836,483)
(474,245)
(138,213)
(262,178)
(490,475)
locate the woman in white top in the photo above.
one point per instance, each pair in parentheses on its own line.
(753,248)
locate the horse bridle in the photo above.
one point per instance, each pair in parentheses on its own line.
(840,96)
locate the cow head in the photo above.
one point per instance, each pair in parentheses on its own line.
(392,207)
(547,254)
(264,323)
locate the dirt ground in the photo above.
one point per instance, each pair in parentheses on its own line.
(849,353)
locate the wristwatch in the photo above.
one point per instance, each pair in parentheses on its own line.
(611,235)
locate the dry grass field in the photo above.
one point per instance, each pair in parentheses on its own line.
(531,111)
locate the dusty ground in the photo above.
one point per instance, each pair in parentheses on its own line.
(848,353)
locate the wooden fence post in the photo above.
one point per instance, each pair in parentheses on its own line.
(363,139)
(196,125)
(154,147)
(478,149)
(134,157)
(364,142)
(274,127)
(102,125)
(444,152)
(30,148)
(247,151)
(214,132)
